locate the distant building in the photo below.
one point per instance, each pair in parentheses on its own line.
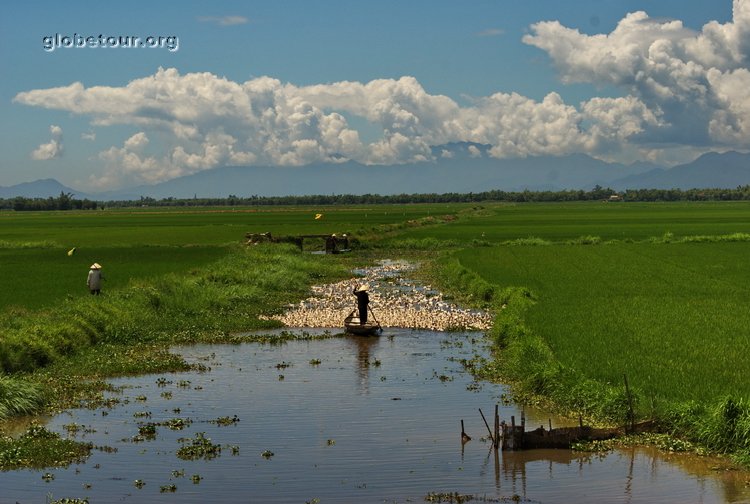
(615,197)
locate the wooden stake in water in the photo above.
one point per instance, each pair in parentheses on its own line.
(631,414)
(464,437)
(497,428)
(487,425)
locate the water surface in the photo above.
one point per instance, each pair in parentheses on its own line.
(346,419)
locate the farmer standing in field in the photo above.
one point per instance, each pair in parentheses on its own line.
(363,299)
(94,280)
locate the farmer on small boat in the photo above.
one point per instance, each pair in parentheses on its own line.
(363,299)
(94,280)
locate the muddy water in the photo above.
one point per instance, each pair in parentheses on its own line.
(376,420)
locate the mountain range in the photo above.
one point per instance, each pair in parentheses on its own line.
(459,167)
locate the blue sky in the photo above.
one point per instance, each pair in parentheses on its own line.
(293,82)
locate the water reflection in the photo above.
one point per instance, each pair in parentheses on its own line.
(364,347)
(339,435)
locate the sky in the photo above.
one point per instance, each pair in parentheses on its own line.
(292,82)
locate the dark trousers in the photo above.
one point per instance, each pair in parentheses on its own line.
(363,314)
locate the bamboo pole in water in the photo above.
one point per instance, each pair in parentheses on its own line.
(497,428)
(487,425)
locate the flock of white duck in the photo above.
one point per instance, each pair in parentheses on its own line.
(395,301)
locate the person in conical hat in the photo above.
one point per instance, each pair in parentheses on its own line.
(94,280)
(363,300)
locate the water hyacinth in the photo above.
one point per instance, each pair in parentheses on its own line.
(40,448)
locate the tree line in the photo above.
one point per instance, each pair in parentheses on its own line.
(67,201)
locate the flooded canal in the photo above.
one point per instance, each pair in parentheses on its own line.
(339,420)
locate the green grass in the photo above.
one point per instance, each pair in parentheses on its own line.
(571,320)
(609,221)
(227,295)
(18,397)
(41,277)
(674,318)
(197,226)
(35,271)
(585,293)
(59,356)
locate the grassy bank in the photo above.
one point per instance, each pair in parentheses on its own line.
(112,334)
(572,319)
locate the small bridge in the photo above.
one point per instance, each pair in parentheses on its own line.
(334,243)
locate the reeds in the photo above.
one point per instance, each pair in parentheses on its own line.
(18,397)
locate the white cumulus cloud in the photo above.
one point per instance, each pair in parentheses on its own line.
(224,20)
(213,121)
(691,81)
(52,149)
(683,92)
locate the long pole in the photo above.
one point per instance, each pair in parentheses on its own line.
(497,428)
(488,427)
(630,404)
(374,317)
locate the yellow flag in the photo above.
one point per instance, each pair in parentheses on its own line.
(318,216)
(71,251)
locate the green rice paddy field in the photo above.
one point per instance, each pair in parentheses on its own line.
(35,270)
(609,221)
(195,226)
(674,316)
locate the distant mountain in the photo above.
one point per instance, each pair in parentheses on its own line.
(40,189)
(711,170)
(460,167)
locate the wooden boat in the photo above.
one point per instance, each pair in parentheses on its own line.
(352,325)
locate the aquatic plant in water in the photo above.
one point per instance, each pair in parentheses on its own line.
(199,447)
(225,420)
(38,448)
